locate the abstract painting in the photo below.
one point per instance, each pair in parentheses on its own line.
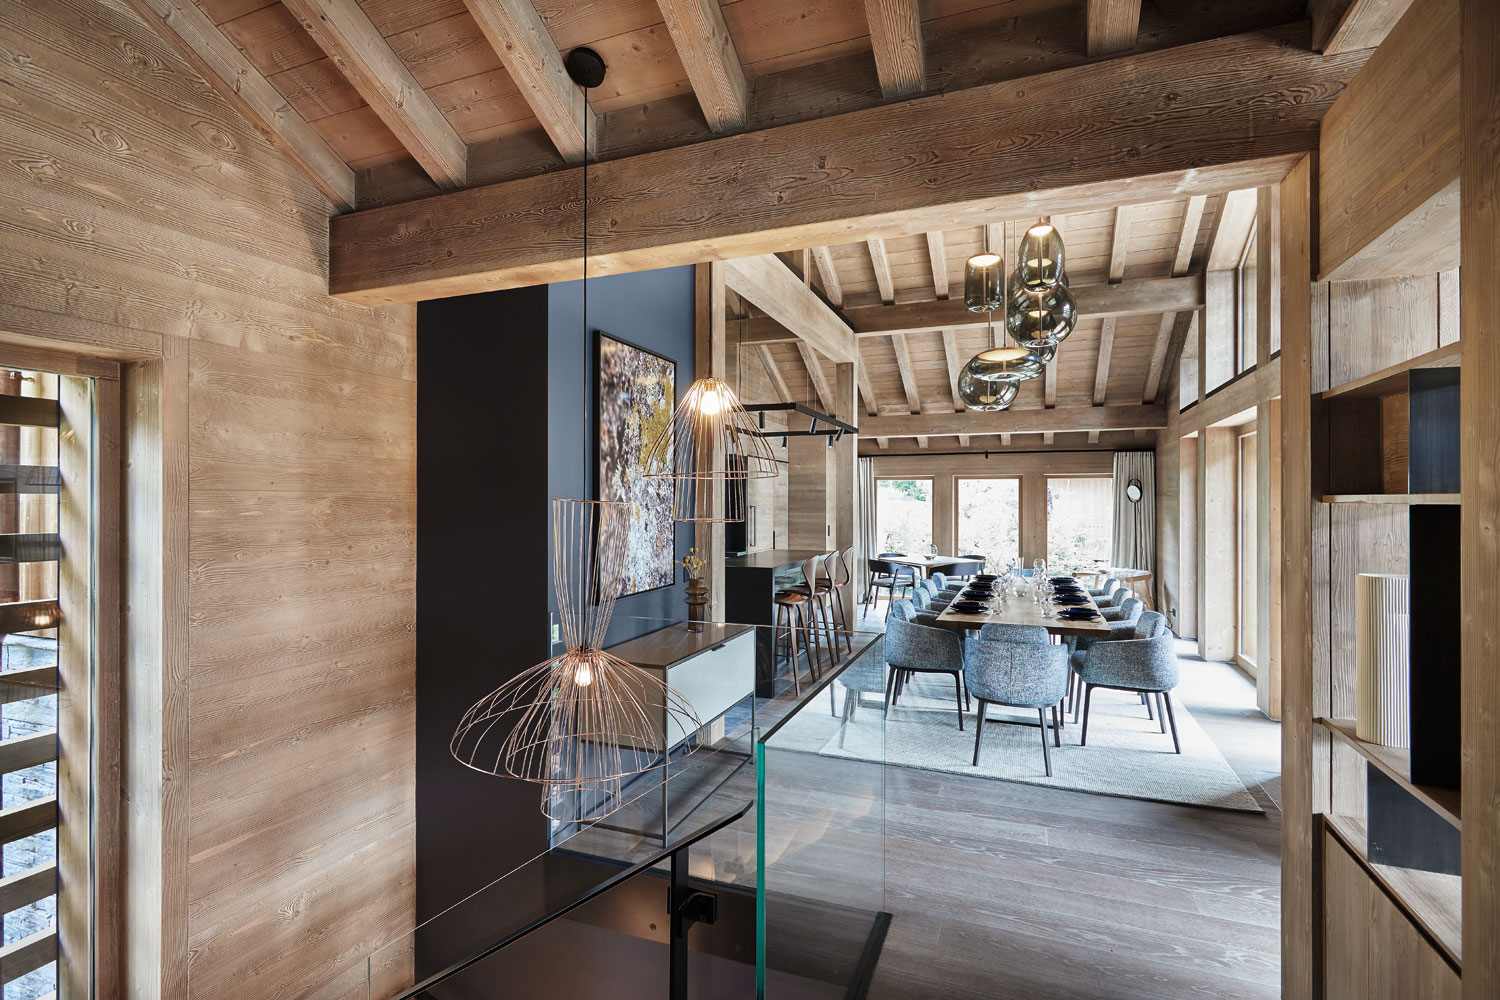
(637,393)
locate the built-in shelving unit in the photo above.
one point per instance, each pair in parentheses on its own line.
(1393,498)
(1393,379)
(1396,763)
(1432,900)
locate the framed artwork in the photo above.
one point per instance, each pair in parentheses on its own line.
(635,395)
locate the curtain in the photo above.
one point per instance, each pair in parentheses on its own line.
(864,519)
(1135,523)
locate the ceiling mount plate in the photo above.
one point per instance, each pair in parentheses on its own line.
(585,67)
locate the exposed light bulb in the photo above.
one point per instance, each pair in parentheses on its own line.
(709,402)
(583,674)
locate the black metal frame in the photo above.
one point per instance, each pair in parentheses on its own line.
(835,431)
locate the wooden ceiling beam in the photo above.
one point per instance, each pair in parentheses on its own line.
(1035,421)
(882,265)
(950,355)
(908,378)
(1187,240)
(937,255)
(772,287)
(1183,327)
(344,31)
(1049,382)
(713,68)
(1112,26)
(773,372)
(1119,244)
(1106,354)
(520,38)
(1196,128)
(828,274)
(214,57)
(815,375)
(1187,237)
(866,390)
(1347,25)
(896,38)
(1231,230)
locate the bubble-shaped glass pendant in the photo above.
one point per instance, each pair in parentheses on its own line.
(1040,263)
(985,395)
(982,279)
(1036,318)
(1017,363)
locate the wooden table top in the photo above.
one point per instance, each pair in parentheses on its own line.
(927,561)
(1023,611)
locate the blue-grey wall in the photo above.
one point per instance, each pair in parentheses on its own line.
(654,310)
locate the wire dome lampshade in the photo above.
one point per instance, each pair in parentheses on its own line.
(580,723)
(712,446)
(982,394)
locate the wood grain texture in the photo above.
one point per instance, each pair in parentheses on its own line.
(939,259)
(772,287)
(1112,25)
(203,46)
(1345,25)
(903,365)
(809,183)
(1101,367)
(707,53)
(1479,423)
(896,40)
(1034,421)
(828,275)
(196,252)
(343,30)
(1390,144)
(882,267)
(520,38)
(1300,961)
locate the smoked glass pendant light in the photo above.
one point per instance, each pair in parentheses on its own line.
(1040,317)
(985,395)
(710,448)
(1040,262)
(983,275)
(1018,363)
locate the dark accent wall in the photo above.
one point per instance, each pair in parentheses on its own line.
(482,549)
(651,309)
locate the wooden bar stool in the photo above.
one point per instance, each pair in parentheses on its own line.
(792,624)
(817,590)
(836,575)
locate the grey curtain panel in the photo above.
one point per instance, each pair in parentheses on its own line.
(864,519)
(1135,523)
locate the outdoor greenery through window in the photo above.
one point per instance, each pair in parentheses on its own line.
(1080,521)
(988,520)
(903,515)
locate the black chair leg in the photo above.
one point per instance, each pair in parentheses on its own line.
(890,687)
(1088,696)
(1145,700)
(958,700)
(1161,714)
(1041,715)
(979,730)
(1056,729)
(1172,717)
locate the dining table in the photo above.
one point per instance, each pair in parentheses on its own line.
(928,564)
(1025,611)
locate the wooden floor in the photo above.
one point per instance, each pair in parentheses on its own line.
(1004,890)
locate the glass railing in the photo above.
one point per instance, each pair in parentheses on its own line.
(820,826)
(753,860)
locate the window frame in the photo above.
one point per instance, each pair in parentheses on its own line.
(958,546)
(1047,478)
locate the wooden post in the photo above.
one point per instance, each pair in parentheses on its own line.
(1479,421)
(1300,976)
(1187,537)
(1267,565)
(1219,461)
(708,359)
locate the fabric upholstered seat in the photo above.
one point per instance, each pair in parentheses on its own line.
(1021,675)
(912,647)
(1146,664)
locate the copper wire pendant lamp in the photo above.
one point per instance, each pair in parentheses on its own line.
(712,447)
(580,724)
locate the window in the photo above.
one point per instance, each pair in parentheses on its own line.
(903,515)
(987,520)
(1246,331)
(1247,549)
(1080,521)
(47,471)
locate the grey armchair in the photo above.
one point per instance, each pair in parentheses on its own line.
(930,598)
(998,632)
(1145,666)
(1123,624)
(1110,586)
(903,608)
(1021,675)
(912,648)
(1126,611)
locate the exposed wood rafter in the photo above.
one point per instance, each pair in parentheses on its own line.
(768,284)
(1035,421)
(1049,384)
(783,394)
(1347,25)
(204,47)
(815,375)
(896,38)
(1231,230)
(908,378)
(1106,354)
(520,38)
(950,355)
(707,52)
(828,273)
(343,31)
(1112,25)
(867,391)
(938,256)
(1174,325)
(881,262)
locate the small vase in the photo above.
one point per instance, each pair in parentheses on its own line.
(697,602)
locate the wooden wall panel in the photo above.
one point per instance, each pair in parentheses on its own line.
(1187,533)
(1377,323)
(163,227)
(1168,547)
(1217,559)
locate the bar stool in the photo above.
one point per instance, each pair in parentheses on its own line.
(792,625)
(836,575)
(816,591)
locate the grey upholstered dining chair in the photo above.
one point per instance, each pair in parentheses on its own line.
(1021,675)
(1122,623)
(1127,610)
(931,598)
(1110,586)
(999,632)
(1145,666)
(913,648)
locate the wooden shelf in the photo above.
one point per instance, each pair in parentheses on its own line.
(1406,499)
(1389,381)
(1433,901)
(1446,802)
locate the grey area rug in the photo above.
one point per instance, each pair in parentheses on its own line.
(1127,754)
